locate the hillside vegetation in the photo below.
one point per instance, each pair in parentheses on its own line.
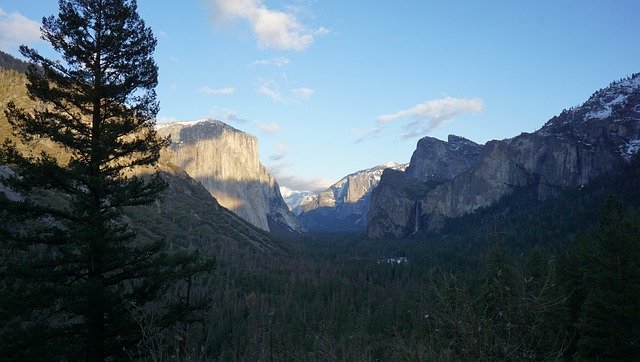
(13,87)
(187,214)
(524,279)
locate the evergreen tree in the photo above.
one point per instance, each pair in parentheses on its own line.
(71,269)
(606,279)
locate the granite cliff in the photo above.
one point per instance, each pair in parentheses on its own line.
(344,205)
(395,206)
(570,150)
(186,214)
(225,161)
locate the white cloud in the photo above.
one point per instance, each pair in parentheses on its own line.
(302,93)
(270,128)
(276,62)
(226,114)
(426,116)
(269,92)
(272,28)
(16,29)
(271,89)
(218,91)
(293,182)
(437,111)
(281,152)
(322,31)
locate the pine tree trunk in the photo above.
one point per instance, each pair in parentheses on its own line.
(95,310)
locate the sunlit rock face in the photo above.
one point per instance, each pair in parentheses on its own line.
(344,205)
(225,160)
(450,179)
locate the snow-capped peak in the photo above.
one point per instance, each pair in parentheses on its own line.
(612,103)
(603,102)
(627,151)
(351,188)
(293,198)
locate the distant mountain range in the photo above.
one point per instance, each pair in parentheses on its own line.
(344,205)
(444,179)
(294,198)
(449,179)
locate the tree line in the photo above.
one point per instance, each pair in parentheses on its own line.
(520,280)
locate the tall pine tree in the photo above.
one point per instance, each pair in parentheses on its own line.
(604,276)
(71,269)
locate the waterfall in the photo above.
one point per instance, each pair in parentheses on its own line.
(416,217)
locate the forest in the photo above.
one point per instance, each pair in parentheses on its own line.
(524,279)
(554,280)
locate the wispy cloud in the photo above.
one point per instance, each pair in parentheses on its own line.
(427,116)
(271,89)
(16,29)
(363,134)
(268,91)
(302,93)
(281,152)
(276,62)
(269,128)
(228,115)
(273,29)
(217,91)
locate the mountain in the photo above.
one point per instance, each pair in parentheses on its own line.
(9,62)
(344,205)
(186,214)
(570,150)
(225,161)
(294,198)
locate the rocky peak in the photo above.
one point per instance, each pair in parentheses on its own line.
(434,159)
(344,205)
(350,188)
(225,160)
(570,150)
(194,131)
(617,103)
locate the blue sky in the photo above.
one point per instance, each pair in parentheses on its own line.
(332,87)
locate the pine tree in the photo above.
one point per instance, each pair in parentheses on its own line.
(607,281)
(71,269)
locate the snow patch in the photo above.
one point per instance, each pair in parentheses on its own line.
(294,198)
(188,123)
(631,148)
(604,100)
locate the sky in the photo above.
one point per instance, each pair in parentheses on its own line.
(331,87)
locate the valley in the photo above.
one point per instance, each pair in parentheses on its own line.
(522,248)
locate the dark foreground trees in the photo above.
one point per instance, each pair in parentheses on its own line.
(603,273)
(72,271)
